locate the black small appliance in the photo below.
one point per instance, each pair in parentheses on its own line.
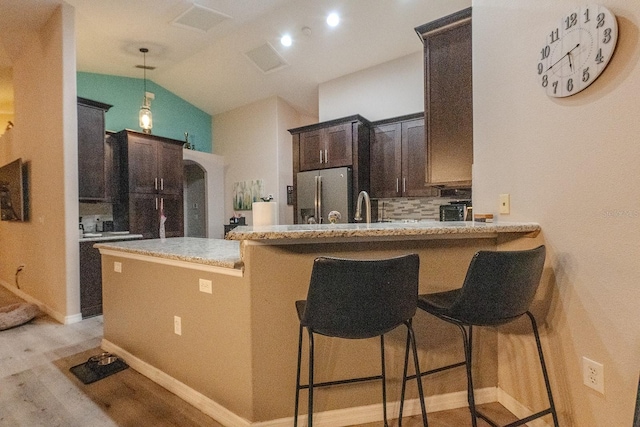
(454,211)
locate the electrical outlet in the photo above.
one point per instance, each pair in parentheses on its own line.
(117,267)
(177,325)
(206,286)
(505,204)
(593,374)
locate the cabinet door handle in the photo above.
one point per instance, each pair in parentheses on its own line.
(155,183)
(404,185)
(156,203)
(320,156)
(326,156)
(397,185)
(161,183)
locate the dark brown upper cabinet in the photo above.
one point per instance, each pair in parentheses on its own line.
(95,157)
(328,147)
(448,99)
(151,181)
(399,158)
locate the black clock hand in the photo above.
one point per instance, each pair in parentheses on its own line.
(570,63)
(566,54)
(554,64)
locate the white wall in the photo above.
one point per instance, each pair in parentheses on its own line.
(287,119)
(391,89)
(572,165)
(45,136)
(255,144)
(214,190)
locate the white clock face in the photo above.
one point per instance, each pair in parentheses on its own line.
(577,50)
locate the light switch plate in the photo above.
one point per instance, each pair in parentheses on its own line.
(117,267)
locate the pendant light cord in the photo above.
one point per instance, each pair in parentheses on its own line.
(144,51)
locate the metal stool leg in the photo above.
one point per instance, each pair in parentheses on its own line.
(412,341)
(467,340)
(295,419)
(404,376)
(552,406)
(418,376)
(310,415)
(384,382)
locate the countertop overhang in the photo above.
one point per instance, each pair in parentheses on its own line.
(216,254)
(421,230)
(109,235)
(199,253)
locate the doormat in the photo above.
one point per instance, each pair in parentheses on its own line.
(98,367)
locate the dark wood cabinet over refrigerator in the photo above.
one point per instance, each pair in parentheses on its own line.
(151,181)
(448,99)
(95,156)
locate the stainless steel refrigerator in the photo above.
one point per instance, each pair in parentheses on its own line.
(322,191)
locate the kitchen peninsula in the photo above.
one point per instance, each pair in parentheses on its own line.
(214,320)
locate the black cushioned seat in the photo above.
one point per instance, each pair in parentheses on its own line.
(358,299)
(499,288)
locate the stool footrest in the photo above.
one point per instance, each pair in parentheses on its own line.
(515,423)
(436,370)
(340,382)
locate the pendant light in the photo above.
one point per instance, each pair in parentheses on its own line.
(145,116)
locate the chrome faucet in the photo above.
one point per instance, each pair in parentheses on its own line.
(367,201)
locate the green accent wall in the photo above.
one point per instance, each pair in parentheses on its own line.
(172,115)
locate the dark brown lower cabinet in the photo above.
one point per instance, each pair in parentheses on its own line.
(91,279)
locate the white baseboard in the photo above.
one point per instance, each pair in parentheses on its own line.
(335,418)
(518,409)
(59,317)
(186,393)
(373,413)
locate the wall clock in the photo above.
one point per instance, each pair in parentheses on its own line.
(577,49)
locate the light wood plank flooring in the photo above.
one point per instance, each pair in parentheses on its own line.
(37,389)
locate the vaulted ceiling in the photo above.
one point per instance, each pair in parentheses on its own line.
(209,68)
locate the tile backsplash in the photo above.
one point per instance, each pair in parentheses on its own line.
(93,214)
(412,208)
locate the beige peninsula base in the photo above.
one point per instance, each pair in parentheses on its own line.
(236,355)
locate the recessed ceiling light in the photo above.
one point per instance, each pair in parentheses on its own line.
(286,40)
(333,19)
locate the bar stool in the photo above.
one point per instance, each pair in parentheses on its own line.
(498,288)
(357,299)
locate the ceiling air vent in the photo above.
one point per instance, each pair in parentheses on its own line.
(266,58)
(200,18)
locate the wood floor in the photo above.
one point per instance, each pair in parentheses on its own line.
(37,389)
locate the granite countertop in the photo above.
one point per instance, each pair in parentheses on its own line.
(109,235)
(384,230)
(211,252)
